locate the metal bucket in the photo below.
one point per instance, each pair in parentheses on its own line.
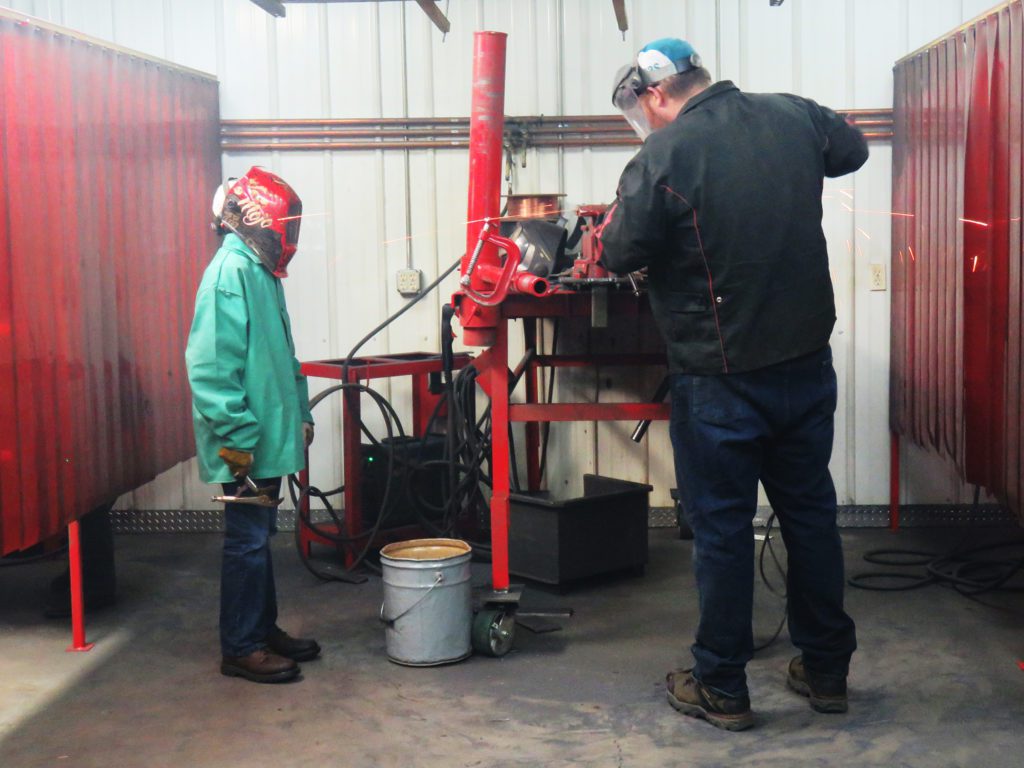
(427,606)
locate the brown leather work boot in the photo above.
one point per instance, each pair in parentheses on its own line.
(260,666)
(689,696)
(826,692)
(294,648)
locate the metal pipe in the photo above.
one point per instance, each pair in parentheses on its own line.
(486,125)
(321,146)
(530,284)
(511,120)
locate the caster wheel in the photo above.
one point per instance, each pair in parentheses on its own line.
(494,631)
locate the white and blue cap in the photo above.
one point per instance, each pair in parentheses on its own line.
(655,62)
(664,58)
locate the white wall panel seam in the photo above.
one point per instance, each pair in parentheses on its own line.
(218,24)
(167,13)
(849,451)
(717,74)
(405,113)
(796,62)
(273,70)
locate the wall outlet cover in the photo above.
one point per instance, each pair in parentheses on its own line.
(409,281)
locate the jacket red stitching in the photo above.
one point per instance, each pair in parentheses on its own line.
(707,269)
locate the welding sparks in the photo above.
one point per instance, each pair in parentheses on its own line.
(845,193)
(974,221)
(974,263)
(882,213)
(303,216)
(901,257)
(863,232)
(912,256)
(447,230)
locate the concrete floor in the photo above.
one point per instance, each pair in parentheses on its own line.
(936,681)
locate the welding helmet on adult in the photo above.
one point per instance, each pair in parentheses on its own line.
(655,62)
(263,210)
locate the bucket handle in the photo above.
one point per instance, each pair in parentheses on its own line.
(437,580)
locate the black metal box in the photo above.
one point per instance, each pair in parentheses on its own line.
(556,541)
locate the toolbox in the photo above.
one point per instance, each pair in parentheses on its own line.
(556,541)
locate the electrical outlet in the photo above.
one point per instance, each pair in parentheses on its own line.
(409,281)
(878,277)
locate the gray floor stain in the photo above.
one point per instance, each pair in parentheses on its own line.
(934,683)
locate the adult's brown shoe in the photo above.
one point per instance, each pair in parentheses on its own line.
(826,692)
(260,666)
(691,697)
(294,648)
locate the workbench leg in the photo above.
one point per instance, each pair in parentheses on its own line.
(351,444)
(498,375)
(532,427)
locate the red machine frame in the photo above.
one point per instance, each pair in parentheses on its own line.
(492,364)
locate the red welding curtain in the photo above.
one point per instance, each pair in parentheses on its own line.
(956,303)
(106,166)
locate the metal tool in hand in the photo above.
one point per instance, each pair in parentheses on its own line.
(259,497)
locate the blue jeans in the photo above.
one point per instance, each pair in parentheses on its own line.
(729,431)
(248,599)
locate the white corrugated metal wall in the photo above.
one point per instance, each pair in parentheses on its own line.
(382,210)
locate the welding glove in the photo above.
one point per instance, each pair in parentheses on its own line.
(308,432)
(239,462)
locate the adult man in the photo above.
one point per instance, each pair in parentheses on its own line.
(723,206)
(250,410)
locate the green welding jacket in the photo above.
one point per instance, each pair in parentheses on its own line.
(247,392)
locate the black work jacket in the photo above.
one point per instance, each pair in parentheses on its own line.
(723,207)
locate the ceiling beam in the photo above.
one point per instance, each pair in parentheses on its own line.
(273,7)
(276,8)
(435,15)
(620,15)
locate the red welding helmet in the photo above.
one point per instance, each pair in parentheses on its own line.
(263,210)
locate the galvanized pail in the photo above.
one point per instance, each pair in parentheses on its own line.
(427,606)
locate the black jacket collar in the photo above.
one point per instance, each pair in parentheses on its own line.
(722,86)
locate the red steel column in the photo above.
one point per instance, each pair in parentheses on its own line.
(486,125)
(498,375)
(77,603)
(894,481)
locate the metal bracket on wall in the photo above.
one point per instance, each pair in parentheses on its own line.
(276,8)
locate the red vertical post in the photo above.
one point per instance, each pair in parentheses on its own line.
(498,375)
(305,535)
(486,126)
(894,481)
(77,603)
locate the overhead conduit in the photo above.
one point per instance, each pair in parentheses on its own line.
(538,131)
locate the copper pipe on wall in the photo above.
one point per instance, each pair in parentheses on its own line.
(537,119)
(624,141)
(343,134)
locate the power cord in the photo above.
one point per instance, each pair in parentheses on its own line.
(960,569)
(299,492)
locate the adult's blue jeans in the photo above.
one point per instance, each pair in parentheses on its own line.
(248,598)
(729,431)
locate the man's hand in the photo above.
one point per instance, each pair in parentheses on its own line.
(308,433)
(239,462)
